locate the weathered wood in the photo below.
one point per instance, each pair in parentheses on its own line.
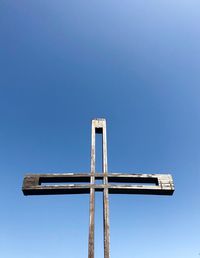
(113,183)
(163,183)
(92,194)
(105,194)
(166,189)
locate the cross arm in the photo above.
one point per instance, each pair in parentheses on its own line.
(37,184)
(156,184)
(118,183)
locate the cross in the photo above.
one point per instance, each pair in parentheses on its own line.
(157,184)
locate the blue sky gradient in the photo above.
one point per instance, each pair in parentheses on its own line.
(135,63)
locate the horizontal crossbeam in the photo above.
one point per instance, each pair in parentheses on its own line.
(159,184)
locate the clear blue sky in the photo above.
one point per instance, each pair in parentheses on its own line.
(134,62)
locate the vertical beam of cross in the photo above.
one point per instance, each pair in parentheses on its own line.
(105,196)
(92,195)
(99,126)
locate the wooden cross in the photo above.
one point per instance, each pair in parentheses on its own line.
(159,184)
